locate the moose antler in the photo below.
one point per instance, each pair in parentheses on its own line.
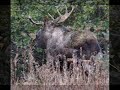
(61,17)
(51,16)
(31,20)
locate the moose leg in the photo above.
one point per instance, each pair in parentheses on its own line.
(76,57)
(61,62)
(50,60)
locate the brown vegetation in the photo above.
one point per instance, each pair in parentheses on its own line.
(46,76)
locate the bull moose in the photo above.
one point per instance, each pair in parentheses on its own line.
(60,40)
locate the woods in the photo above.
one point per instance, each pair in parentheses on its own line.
(84,16)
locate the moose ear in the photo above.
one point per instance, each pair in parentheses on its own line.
(45,20)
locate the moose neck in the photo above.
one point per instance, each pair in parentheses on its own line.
(49,29)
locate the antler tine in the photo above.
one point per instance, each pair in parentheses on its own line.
(66,9)
(72,9)
(51,16)
(58,12)
(31,20)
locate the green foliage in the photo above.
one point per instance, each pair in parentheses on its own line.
(87,13)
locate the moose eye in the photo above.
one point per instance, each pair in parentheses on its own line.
(36,36)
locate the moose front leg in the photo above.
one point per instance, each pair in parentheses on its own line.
(76,57)
(50,60)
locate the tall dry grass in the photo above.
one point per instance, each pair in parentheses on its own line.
(90,75)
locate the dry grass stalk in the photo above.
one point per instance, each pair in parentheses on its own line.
(88,73)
